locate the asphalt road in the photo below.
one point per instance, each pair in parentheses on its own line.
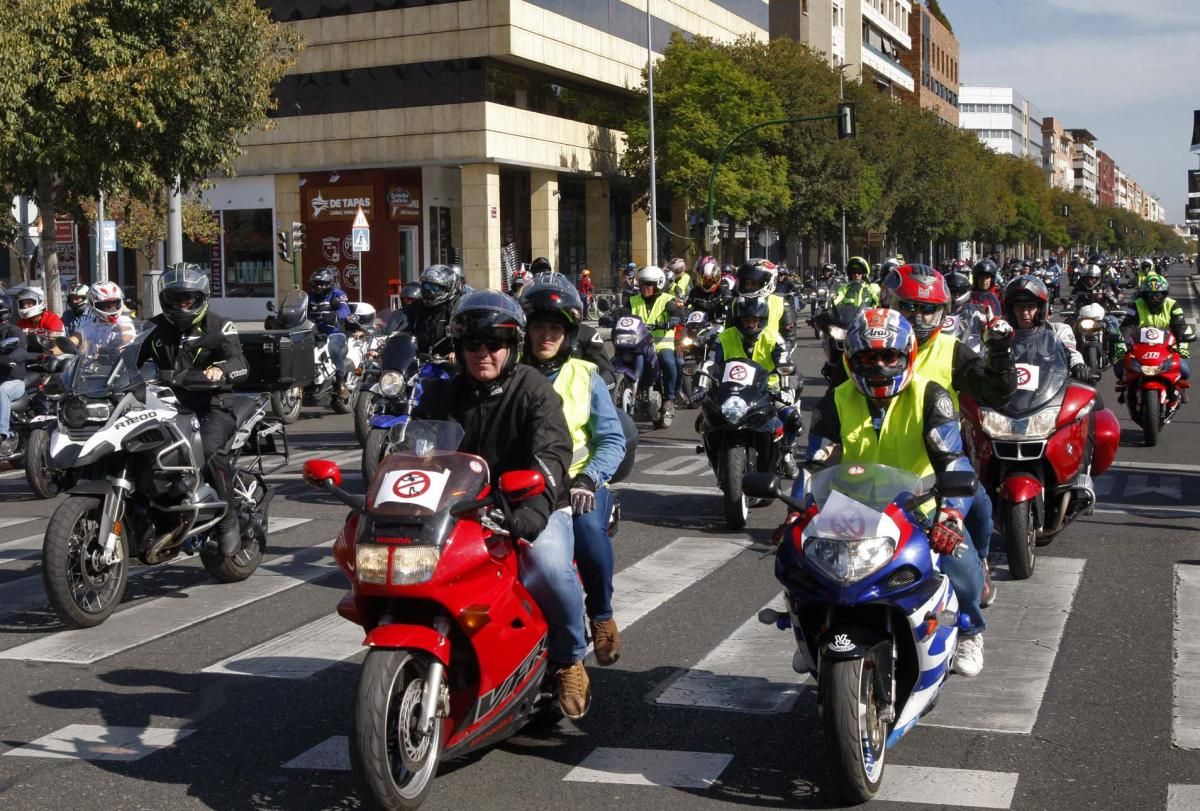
(197,695)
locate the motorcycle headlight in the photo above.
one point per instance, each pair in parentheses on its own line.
(734,409)
(371,563)
(1038,426)
(837,333)
(847,561)
(413,564)
(76,412)
(1151,370)
(1089,324)
(391,384)
(822,292)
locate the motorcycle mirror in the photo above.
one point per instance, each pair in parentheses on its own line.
(956,483)
(761,485)
(270,306)
(319,471)
(520,485)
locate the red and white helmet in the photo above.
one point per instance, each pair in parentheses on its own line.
(708,273)
(31,301)
(107,300)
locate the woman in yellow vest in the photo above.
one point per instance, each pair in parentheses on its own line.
(661,312)
(888,414)
(554,311)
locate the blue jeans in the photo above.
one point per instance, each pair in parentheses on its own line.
(670,373)
(547,571)
(594,556)
(966,576)
(10,390)
(337,351)
(979,523)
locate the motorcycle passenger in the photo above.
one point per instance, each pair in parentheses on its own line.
(328,308)
(429,318)
(921,295)
(553,311)
(35,319)
(661,312)
(1154,308)
(705,293)
(188,336)
(886,413)
(983,288)
(512,417)
(857,290)
(1026,302)
(410,294)
(12,373)
(77,307)
(677,268)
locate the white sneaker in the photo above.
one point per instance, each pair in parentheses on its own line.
(968,660)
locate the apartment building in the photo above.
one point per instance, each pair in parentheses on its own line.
(1003,119)
(933,63)
(1085,165)
(1057,154)
(1106,186)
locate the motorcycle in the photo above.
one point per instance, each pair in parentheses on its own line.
(820,297)
(831,325)
(1041,451)
(1152,385)
(876,622)
(1092,328)
(137,460)
(644,397)
(32,418)
(692,342)
(293,314)
(457,648)
(739,432)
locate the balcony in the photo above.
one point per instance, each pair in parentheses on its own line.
(884,65)
(893,31)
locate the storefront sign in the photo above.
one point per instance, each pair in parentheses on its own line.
(338,203)
(68,256)
(330,248)
(403,203)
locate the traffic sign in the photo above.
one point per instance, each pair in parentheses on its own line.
(360,233)
(31,210)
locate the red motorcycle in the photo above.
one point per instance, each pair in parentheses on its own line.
(458,647)
(1152,386)
(1039,454)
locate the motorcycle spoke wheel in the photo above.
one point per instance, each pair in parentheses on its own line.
(82,590)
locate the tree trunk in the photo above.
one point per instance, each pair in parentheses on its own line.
(47,205)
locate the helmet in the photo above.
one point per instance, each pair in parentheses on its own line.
(881,349)
(6,308)
(1154,290)
(438,285)
(459,276)
(520,278)
(322,282)
(630,268)
(756,277)
(960,288)
(708,274)
(411,291)
(830,269)
(540,264)
(652,275)
(678,266)
(1091,275)
(550,297)
(585,273)
(184,295)
(749,307)
(1147,263)
(899,258)
(108,302)
(488,314)
(31,301)
(1026,288)
(77,299)
(669,275)
(921,295)
(887,266)
(858,265)
(984,269)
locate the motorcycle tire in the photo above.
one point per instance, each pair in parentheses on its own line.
(286,404)
(391,769)
(855,737)
(733,464)
(236,568)
(1151,409)
(364,407)
(1020,538)
(71,537)
(1091,357)
(373,452)
(623,397)
(37,464)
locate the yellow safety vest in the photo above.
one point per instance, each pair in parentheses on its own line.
(775,308)
(900,442)
(574,385)
(935,361)
(682,285)
(655,318)
(1161,319)
(761,353)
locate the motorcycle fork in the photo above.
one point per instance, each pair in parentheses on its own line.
(433,684)
(112,512)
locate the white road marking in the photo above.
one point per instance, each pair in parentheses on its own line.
(655,487)
(1185,714)
(22,548)
(95,742)
(1146,510)
(750,671)
(299,653)
(650,767)
(1024,631)
(965,788)
(1182,797)
(23,519)
(679,466)
(331,754)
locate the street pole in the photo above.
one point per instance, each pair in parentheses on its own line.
(361,276)
(23,221)
(174,222)
(842,97)
(101,256)
(653,174)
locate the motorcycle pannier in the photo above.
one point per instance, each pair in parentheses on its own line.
(277,358)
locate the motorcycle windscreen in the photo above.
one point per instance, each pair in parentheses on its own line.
(871,485)
(398,353)
(107,360)
(1041,362)
(425,473)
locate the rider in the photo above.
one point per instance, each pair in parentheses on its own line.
(683,279)
(1091,287)
(661,312)
(429,318)
(12,373)
(983,284)
(756,278)
(886,413)
(705,293)
(328,309)
(188,336)
(1145,270)
(554,311)
(922,296)
(857,290)
(35,319)
(77,307)
(1026,303)
(1154,308)
(512,417)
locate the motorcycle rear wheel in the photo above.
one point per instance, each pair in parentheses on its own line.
(855,737)
(37,464)
(1150,418)
(286,404)
(1020,538)
(393,767)
(81,593)
(733,464)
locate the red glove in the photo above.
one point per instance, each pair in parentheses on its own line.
(947,531)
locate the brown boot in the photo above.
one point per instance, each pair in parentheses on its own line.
(574,690)
(607,641)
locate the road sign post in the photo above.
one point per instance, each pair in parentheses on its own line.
(360,241)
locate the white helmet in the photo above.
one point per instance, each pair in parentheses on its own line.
(35,295)
(107,300)
(652,275)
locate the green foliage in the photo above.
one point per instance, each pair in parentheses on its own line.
(938,14)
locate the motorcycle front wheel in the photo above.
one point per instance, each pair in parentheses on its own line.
(37,464)
(364,407)
(733,467)
(855,736)
(1150,418)
(82,591)
(393,764)
(286,404)
(373,452)
(1020,538)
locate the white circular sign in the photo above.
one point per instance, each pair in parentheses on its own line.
(31,210)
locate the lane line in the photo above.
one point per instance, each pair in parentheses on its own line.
(1157,466)
(298,654)
(1185,681)
(650,767)
(96,742)
(965,788)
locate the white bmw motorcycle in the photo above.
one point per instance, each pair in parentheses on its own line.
(136,458)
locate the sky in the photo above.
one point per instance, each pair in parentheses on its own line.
(1127,70)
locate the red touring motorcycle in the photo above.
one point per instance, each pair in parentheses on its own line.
(1151,385)
(458,647)
(1039,454)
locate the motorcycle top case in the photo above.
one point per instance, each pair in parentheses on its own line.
(277,359)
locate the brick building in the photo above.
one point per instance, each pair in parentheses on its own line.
(1106,179)
(933,63)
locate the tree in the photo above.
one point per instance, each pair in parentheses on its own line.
(142,224)
(123,96)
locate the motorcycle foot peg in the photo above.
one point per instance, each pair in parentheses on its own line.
(699,449)
(769,616)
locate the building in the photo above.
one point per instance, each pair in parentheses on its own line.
(1106,181)
(1085,165)
(933,63)
(1057,155)
(1003,119)
(869,36)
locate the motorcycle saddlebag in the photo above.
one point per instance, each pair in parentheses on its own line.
(277,359)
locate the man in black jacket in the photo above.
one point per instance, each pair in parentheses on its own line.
(189,337)
(512,417)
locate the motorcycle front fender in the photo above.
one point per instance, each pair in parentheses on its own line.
(421,637)
(850,642)
(1020,487)
(386,420)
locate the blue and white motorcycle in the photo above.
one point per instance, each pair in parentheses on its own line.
(876,622)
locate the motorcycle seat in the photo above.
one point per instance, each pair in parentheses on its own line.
(243,407)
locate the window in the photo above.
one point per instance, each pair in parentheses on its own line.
(440,236)
(248,254)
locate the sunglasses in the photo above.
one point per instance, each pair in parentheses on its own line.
(924,308)
(474,344)
(878,357)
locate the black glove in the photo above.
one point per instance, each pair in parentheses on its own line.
(583,495)
(1080,372)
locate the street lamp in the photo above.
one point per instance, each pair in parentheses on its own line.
(849,125)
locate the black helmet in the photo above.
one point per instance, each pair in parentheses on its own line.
(322,282)
(6,308)
(540,264)
(550,297)
(77,298)
(750,307)
(487,314)
(411,291)
(184,295)
(438,285)
(960,288)
(756,277)
(1026,288)
(984,268)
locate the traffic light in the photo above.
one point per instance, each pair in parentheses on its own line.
(283,245)
(847,121)
(710,235)
(298,231)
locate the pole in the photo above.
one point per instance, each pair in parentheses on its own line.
(361,275)
(842,97)
(653,173)
(174,223)
(23,221)
(101,256)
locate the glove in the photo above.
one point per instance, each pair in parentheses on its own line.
(1080,372)
(583,495)
(999,335)
(948,531)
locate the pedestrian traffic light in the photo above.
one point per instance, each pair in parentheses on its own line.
(283,245)
(710,235)
(847,121)
(298,236)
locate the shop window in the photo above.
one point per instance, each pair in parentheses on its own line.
(248,253)
(441,237)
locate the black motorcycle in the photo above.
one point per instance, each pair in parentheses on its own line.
(33,417)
